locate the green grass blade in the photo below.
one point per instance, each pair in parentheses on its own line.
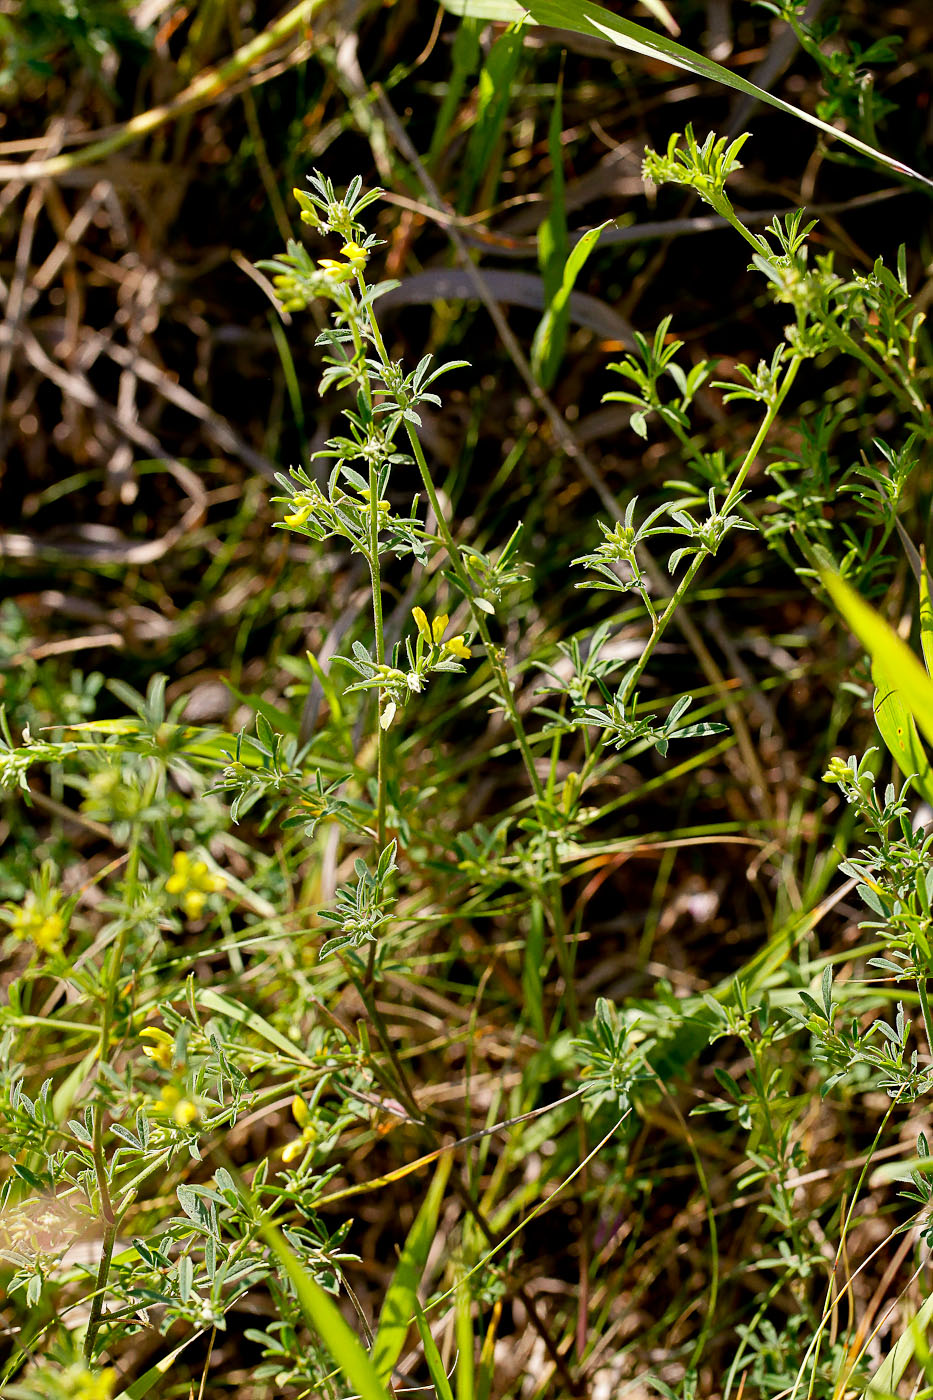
(325,1317)
(553,249)
(926,615)
(548,348)
(887,1377)
(432,1357)
(235,1011)
(532,981)
(898,664)
(899,732)
(584,17)
(290,373)
(494,95)
(917,560)
(156,1374)
(464,60)
(464,1327)
(399,1306)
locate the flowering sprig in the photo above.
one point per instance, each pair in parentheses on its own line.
(42,917)
(433,635)
(429,655)
(192,881)
(293,1151)
(162,1049)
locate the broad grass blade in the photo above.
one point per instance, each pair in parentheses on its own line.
(553,247)
(548,349)
(584,17)
(236,1011)
(898,664)
(464,61)
(885,1380)
(432,1357)
(926,616)
(156,1374)
(399,1306)
(465,1387)
(480,165)
(325,1317)
(899,732)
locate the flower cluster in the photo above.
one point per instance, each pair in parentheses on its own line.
(37,920)
(433,634)
(175,1105)
(295,1149)
(162,1049)
(192,881)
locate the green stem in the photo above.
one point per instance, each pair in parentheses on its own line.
(375,574)
(97,1302)
(925,1008)
(112,978)
(552,890)
(728,503)
(773,409)
(495,654)
(905,394)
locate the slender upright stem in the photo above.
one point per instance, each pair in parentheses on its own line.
(375,574)
(731,497)
(97,1302)
(114,964)
(925,1008)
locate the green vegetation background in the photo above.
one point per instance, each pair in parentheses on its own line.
(150,388)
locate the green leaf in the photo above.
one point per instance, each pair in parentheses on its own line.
(548,348)
(886,1378)
(492,109)
(899,732)
(553,248)
(157,1373)
(432,1357)
(584,17)
(399,1305)
(325,1317)
(225,1006)
(464,1331)
(464,60)
(926,615)
(899,666)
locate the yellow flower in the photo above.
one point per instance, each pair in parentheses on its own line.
(298,1146)
(301,507)
(382,506)
(90,1385)
(458,647)
(421,622)
(48,935)
(339,271)
(192,881)
(181,1110)
(433,634)
(354,254)
(37,921)
(163,1049)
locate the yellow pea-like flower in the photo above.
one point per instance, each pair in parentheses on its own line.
(421,622)
(162,1050)
(458,647)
